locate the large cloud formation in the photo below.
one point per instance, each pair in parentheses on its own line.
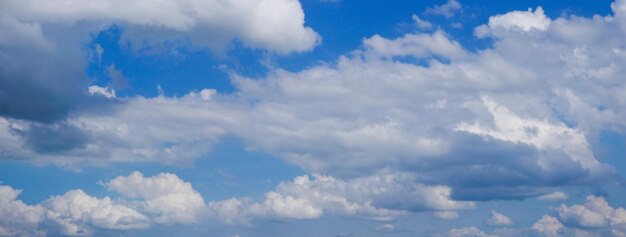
(510,121)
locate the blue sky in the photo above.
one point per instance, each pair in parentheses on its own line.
(312,118)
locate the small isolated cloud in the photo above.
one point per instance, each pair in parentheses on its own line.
(102,91)
(446,215)
(415,45)
(421,23)
(554,196)
(448,10)
(514,21)
(499,219)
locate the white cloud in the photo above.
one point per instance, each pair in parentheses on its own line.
(421,23)
(467,232)
(549,98)
(161,199)
(595,213)
(548,226)
(541,134)
(449,9)
(515,20)
(416,45)
(446,215)
(499,219)
(554,196)
(103,91)
(376,197)
(277,25)
(76,212)
(165,196)
(16,217)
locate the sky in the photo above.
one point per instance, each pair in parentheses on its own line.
(337,118)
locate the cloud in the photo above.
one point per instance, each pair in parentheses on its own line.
(544,136)
(49,37)
(446,215)
(466,232)
(515,20)
(448,10)
(75,213)
(277,25)
(595,213)
(416,45)
(161,199)
(548,226)
(164,196)
(16,217)
(499,219)
(421,23)
(554,196)
(377,197)
(505,122)
(103,91)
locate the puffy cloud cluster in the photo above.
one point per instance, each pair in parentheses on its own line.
(161,199)
(165,196)
(595,213)
(16,217)
(380,197)
(76,212)
(593,218)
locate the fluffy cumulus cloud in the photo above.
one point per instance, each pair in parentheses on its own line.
(76,212)
(16,217)
(161,199)
(165,196)
(593,218)
(380,197)
(595,213)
